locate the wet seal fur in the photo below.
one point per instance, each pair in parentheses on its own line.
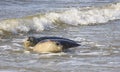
(48,44)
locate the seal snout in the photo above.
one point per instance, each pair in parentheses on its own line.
(31,39)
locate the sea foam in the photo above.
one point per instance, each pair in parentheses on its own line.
(71,16)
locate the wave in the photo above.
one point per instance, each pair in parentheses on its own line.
(72,16)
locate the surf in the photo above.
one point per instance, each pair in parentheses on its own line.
(71,16)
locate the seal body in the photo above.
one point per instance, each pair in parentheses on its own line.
(49,44)
(65,43)
(47,47)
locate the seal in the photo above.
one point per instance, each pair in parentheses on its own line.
(49,44)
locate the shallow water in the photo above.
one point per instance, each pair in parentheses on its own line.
(99,51)
(100,42)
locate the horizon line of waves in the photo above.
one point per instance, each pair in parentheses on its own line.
(73,16)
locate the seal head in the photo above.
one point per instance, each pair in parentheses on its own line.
(30,42)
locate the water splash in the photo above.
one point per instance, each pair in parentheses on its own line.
(72,16)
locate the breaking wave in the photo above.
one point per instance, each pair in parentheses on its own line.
(72,16)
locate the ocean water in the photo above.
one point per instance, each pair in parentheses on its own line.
(95,24)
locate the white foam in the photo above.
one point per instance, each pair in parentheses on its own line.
(49,55)
(13,26)
(95,53)
(5,47)
(22,28)
(72,16)
(16,44)
(91,15)
(38,24)
(8,71)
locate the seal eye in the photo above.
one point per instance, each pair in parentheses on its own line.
(57,43)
